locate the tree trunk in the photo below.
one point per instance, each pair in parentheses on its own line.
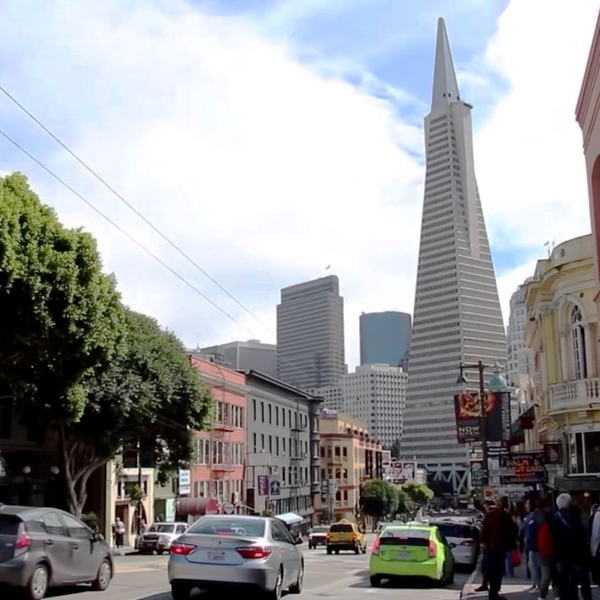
(77,470)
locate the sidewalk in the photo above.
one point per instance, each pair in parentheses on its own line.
(513,588)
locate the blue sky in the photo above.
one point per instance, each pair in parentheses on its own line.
(270,138)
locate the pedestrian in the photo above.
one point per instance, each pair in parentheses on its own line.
(118,533)
(545,549)
(487,507)
(533,522)
(594,538)
(499,536)
(571,549)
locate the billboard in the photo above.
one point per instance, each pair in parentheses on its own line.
(523,468)
(467,408)
(263,485)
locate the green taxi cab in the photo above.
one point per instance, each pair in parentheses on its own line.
(411,551)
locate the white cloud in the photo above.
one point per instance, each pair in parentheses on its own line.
(261,169)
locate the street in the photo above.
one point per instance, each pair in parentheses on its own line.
(344,576)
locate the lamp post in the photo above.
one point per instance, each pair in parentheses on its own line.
(481,367)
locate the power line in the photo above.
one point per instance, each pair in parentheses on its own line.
(128,204)
(129,236)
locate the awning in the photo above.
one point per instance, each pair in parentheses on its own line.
(196,507)
(290,518)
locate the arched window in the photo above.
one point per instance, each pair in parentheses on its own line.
(578,344)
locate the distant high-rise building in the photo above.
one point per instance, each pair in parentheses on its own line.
(332,395)
(310,334)
(520,357)
(457,314)
(384,338)
(243,356)
(376,395)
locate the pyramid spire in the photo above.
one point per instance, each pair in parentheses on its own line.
(445,87)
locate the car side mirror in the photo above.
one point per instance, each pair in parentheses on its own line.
(97,537)
(298,541)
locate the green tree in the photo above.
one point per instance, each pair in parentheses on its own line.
(418,493)
(378,498)
(150,396)
(61,314)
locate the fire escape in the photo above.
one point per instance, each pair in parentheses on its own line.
(296,455)
(221,454)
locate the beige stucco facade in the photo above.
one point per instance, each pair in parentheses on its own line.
(348,457)
(562,330)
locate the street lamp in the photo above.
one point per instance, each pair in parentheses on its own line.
(462,380)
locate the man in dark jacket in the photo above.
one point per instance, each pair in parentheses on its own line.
(571,550)
(499,536)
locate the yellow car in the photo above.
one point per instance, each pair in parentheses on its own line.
(345,535)
(411,551)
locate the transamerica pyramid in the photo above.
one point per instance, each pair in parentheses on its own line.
(457,314)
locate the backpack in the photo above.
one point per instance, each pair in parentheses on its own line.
(545,541)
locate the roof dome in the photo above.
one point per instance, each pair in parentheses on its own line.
(497,381)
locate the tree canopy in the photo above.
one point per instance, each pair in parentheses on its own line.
(378,498)
(61,314)
(418,493)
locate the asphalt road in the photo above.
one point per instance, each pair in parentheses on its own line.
(343,576)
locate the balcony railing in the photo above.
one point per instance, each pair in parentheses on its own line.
(573,394)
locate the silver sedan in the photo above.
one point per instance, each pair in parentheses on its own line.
(224,551)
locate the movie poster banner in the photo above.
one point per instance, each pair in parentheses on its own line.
(526,467)
(468,410)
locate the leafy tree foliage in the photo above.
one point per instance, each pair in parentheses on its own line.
(417,493)
(150,395)
(61,315)
(378,498)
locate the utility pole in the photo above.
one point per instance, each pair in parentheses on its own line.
(139,508)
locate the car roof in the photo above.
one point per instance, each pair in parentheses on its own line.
(242,517)
(26,511)
(411,526)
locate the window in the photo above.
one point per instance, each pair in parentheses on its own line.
(75,528)
(254,409)
(283,417)
(262,441)
(578,345)
(270,414)
(277,416)
(203,452)
(283,445)
(270,444)
(277,445)
(262,412)
(50,523)
(254,441)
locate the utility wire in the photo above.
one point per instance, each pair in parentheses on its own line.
(129,236)
(128,204)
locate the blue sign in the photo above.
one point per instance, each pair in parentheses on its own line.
(263,485)
(275,488)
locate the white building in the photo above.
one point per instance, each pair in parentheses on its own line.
(333,396)
(520,358)
(376,394)
(457,315)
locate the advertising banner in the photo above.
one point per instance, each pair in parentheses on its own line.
(467,407)
(523,468)
(263,485)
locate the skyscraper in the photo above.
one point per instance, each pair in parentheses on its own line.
(384,337)
(310,334)
(520,357)
(457,314)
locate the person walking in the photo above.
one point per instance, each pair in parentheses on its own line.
(571,550)
(534,520)
(488,505)
(594,539)
(118,533)
(499,536)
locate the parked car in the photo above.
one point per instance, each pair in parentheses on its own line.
(45,547)
(463,539)
(318,536)
(159,537)
(219,551)
(411,551)
(345,535)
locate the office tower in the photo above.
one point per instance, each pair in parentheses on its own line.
(310,334)
(384,338)
(520,357)
(242,356)
(457,314)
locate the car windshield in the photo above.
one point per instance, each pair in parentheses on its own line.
(226,526)
(320,529)
(161,528)
(453,530)
(341,528)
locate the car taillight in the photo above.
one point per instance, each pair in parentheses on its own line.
(185,549)
(375,547)
(254,552)
(467,543)
(23,541)
(432,550)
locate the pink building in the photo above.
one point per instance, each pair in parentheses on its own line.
(218,474)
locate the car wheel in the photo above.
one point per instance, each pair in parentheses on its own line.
(180,591)
(375,580)
(275,593)
(450,579)
(356,549)
(104,576)
(159,551)
(38,583)
(337,551)
(297,587)
(328,550)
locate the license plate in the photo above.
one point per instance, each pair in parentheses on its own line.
(403,555)
(216,556)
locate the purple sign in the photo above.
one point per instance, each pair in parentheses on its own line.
(263,485)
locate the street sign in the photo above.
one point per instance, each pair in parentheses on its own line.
(324,485)
(228,509)
(184,482)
